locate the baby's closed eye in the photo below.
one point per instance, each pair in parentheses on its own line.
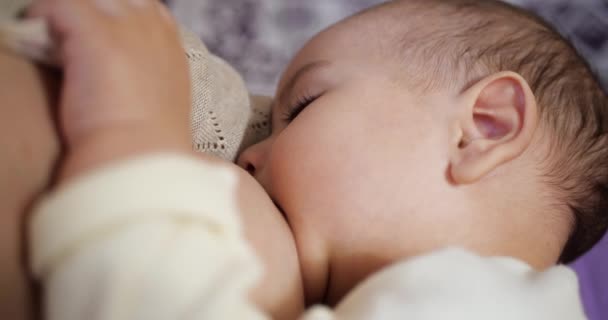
(294,109)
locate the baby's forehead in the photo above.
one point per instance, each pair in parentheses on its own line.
(390,32)
(366,35)
(443,41)
(349,40)
(419,42)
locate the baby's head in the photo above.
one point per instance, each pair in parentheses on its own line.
(422,124)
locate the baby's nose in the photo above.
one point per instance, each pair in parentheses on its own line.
(253,158)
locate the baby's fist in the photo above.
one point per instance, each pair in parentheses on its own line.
(123,66)
(126,82)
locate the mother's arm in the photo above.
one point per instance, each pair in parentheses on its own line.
(29,148)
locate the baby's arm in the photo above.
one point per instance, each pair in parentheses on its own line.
(151,238)
(137,227)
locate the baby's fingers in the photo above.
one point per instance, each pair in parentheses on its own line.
(102,28)
(92,17)
(68,18)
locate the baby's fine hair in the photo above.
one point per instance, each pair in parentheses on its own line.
(461,41)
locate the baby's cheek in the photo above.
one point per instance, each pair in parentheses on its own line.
(316,177)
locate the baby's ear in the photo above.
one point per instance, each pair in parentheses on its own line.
(497,118)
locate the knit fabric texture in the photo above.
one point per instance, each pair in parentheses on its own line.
(225,119)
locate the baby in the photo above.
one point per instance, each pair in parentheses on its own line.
(409,127)
(420,124)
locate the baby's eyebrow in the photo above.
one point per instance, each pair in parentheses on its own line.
(290,85)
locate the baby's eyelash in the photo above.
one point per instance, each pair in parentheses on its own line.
(293,111)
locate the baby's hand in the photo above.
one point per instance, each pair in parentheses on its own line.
(126,86)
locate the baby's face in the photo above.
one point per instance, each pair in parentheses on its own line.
(353,161)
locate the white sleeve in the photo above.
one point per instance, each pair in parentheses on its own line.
(459,285)
(152,238)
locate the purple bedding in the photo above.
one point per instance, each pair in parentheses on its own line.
(593,277)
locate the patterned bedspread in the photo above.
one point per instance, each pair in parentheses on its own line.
(259,37)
